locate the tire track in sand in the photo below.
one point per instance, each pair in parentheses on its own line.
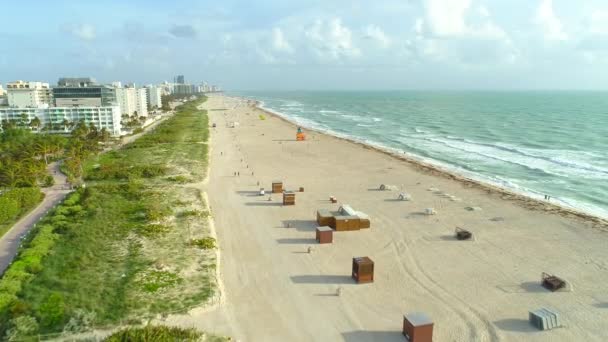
(451,301)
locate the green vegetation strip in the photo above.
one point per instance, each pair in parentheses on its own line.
(162,333)
(16,203)
(120,250)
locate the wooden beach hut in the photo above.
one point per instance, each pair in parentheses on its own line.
(325,218)
(417,327)
(289,198)
(277,187)
(363,220)
(363,270)
(325,235)
(342,223)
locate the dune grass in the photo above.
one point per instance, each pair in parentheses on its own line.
(119,251)
(162,333)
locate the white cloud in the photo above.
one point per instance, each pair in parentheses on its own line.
(84,31)
(376,34)
(483,11)
(419,26)
(598,22)
(279,43)
(446,18)
(331,40)
(457,32)
(549,22)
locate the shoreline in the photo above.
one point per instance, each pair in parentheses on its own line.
(525,201)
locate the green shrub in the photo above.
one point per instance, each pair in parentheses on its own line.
(17,202)
(181,203)
(22,328)
(52,310)
(156,212)
(80,321)
(74,198)
(48,181)
(153,230)
(204,243)
(19,308)
(138,130)
(153,281)
(179,179)
(9,209)
(194,213)
(154,333)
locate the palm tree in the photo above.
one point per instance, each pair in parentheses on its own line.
(104,135)
(8,125)
(10,174)
(24,120)
(65,124)
(44,148)
(35,124)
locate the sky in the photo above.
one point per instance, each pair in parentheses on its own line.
(311,45)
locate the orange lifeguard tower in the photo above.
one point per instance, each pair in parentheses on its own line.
(300,136)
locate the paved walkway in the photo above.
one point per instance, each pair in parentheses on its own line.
(10,242)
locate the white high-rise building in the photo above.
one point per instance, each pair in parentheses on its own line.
(28,94)
(1,90)
(141,102)
(132,101)
(63,119)
(154,96)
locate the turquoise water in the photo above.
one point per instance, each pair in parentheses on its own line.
(537,143)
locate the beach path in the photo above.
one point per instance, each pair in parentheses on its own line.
(10,242)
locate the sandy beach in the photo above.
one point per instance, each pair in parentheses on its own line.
(480,290)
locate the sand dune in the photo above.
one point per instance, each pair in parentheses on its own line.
(477,290)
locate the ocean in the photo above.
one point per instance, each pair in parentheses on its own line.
(532,143)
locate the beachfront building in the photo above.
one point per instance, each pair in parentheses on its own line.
(132,101)
(82,92)
(3,99)
(154,96)
(22,94)
(63,119)
(182,89)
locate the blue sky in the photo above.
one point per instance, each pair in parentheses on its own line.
(272,44)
